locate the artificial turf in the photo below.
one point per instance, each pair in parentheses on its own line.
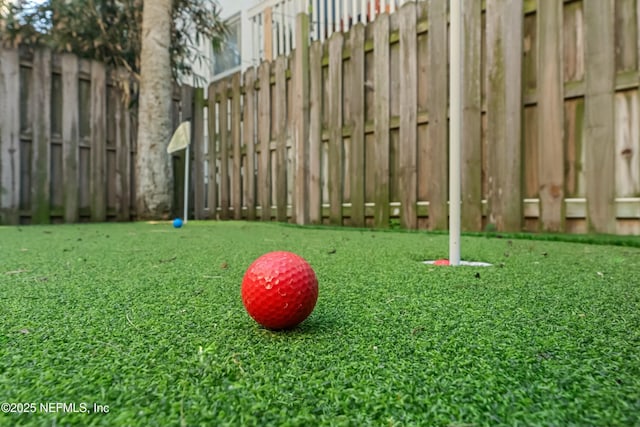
(147,320)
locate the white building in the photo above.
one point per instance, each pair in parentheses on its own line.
(265,29)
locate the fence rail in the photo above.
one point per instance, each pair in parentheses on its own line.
(353,130)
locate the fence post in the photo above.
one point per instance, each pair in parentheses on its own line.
(9,136)
(300,118)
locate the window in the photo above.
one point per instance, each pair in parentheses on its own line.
(229,58)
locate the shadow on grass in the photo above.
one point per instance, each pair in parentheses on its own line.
(318,324)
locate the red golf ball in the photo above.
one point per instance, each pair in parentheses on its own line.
(279,290)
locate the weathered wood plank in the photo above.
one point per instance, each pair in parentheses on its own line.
(236,175)
(223,129)
(301,120)
(626,35)
(504,107)
(471,144)
(423,99)
(357,126)
(627,149)
(336,157)
(573,42)
(530,54)
(550,117)
(197,147)
(437,104)
(123,146)
(9,136)
(531,154)
(408,116)
(212,154)
(315,133)
(264,140)
(98,141)
(186,103)
(574,151)
(599,115)
(280,118)
(249,142)
(381,119)
(41,137)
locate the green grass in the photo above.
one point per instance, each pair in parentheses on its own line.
(148,321)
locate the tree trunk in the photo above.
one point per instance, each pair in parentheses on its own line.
(154,175)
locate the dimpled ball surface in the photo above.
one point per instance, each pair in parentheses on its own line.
(279,290)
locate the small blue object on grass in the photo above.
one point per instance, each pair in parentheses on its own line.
(177,223)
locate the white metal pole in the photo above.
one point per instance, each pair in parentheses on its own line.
(455,134)
(186,184)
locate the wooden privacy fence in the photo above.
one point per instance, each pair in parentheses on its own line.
(67,139)
(355,130)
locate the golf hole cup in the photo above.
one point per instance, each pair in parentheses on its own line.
(279,290)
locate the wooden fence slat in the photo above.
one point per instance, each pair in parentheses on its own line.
(504,109)
(41,137)
(223,125)
(599,114)
(423,172)
(471,144)
(625,35)
(212,158)
(315,133)
(356,86)
(280,118)
(301,106)
(264,139)
(98,142)
(437,103)
(249,143)
(236,174)
(186,103)
(123,148)
(198,153)
(381,119)
(9,136)
(336,144)
(408,115)
(627,144)
(550,117)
